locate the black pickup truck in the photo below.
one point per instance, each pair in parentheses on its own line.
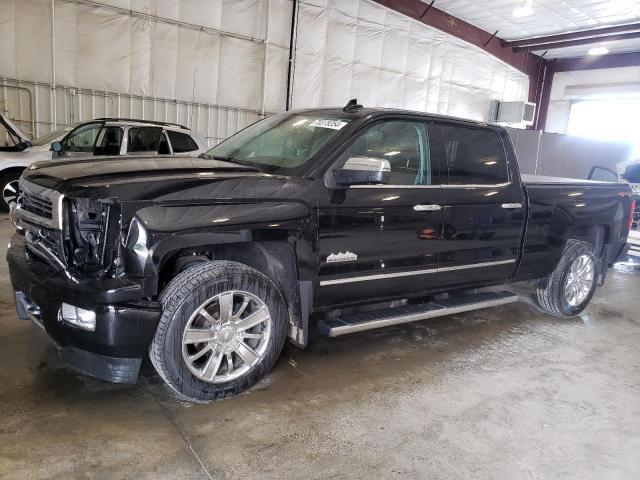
(327,220)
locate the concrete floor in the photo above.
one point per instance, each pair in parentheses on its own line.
(506,393)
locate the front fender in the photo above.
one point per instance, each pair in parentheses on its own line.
(170,229)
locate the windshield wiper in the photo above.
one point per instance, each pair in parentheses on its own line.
(230,160)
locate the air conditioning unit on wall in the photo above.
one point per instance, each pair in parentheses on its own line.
(511,113)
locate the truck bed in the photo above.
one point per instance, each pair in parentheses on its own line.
(561,208)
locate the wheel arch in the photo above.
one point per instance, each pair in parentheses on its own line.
(276,258)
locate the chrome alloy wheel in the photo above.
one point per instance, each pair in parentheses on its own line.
(226,336)
(11,192)
(579,280)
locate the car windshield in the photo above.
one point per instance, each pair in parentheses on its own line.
(279,143)
(53,136)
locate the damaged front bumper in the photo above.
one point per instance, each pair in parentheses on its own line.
(124,324)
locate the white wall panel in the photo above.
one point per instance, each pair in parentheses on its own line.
(151,59)
(108,49)
(358,49)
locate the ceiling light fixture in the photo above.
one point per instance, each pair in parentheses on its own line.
(598,50)
(524,10)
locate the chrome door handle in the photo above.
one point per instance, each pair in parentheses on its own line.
(511,206)
(427,208)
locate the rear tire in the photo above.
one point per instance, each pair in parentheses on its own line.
(570,287)
(193,304)
(10,191)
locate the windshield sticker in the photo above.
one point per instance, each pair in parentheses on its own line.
(332,124)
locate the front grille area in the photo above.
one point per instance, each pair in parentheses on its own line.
(37,206)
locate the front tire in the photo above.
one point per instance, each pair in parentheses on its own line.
(222,328)
(571,285)
(10,190)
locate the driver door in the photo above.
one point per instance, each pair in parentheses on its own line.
(381,241)
(81,141)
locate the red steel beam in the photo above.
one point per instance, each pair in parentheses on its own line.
(563,37)
(579,41)
(431,16)
(614,60)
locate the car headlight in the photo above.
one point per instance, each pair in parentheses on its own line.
(13,215)
(137,239)
(78,317)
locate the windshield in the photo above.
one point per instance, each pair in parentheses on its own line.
(52,137)
(282,141)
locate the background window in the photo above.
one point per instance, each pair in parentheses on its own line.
(181,142)
(109,141)
(404,144)
(474,156)
(83,139)
(144,139)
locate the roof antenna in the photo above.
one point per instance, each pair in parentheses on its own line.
(352,106)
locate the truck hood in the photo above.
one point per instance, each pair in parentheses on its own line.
(158,179)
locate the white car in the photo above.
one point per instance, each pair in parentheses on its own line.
(99,137)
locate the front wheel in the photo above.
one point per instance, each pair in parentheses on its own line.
(10,190)
(222,328)
(571,285)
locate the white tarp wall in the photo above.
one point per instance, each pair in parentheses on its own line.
(206,53)
(218,65)
(360,49)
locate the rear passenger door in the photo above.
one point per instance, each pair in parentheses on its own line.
(483,206)
(147,141)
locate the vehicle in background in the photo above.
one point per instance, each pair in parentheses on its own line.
(99,137)
(338,219)
(631,176)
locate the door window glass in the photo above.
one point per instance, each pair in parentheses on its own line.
(404,144)
(601,174)
(144,139)
(474,156)
(181,142)
(109,141)
(83,139)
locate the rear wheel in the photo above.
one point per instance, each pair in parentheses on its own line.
(571,285)
(10,189)
(222,328)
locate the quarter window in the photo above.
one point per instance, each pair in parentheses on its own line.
(144,139)
(474,156)
(404,144)
(181,142)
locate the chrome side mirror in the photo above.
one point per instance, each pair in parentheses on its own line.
(363,171)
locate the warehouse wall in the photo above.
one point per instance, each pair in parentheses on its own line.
(198,62)
(558,155)
(358,48)
(218,65)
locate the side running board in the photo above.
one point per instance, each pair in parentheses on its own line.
(358,322)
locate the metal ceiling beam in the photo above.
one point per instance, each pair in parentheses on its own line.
(579,41)
(616,60)
(431,16)
(562,37)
